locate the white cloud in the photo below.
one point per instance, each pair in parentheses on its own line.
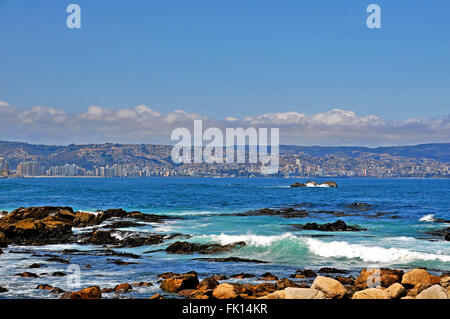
(41,124)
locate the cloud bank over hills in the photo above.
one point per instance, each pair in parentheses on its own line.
(141,124)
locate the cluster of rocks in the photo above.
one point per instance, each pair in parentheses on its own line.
(370,284)
(338,225)
(53,225)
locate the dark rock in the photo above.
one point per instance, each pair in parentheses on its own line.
(297,184)
(123,224)
(182,247)
(2,290)
(57,291)
(269,277)
(305,273)
(143,284)
(123,288)
(345,280)
(27,274)
(208,283)
(35,265)
(105,237)
(360,206)
(338,225)
(123,263)
(44,287)
(3,242)
(243,276)
(180,282)
(285,283)
(286,212)
(232,259)
(331,270)
(59,274)
(58,260)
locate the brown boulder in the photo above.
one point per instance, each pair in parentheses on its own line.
(177,283)
(371,293)
(285,283)
(416,277)
(329,286)
(225,291)
(123,288)
(378,277)
(396,291)
(269,277)
(93,292)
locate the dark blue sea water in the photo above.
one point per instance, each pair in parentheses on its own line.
(397,239)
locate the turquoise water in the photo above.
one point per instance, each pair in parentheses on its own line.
(206,203)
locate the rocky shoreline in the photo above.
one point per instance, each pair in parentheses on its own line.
(37,226)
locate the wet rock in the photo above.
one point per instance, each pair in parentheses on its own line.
(180,247)
(44,287)
(83,219)
(93,292)
(58,260)
(330,287)
(285,283)
(156,296)
(243,276)
(219,277)
(38,225)
(297,184)
(306,273)
(268,276)
(330,184)
(371,293)
(105,237)
(345,280)
(208,283)
(360,206)
(167,275)
(338,225)
(383,277)
(57,291)
(233,259)
(331,270)
(123,224)
(35,265)
(27,274)
(3,242)
(286,212)
(123,288)
(180,282)
(120,262)
(107,290)
(2,290)
(143,284)
(59,274)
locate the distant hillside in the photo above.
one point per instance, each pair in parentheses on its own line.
(437,151)
(91,155)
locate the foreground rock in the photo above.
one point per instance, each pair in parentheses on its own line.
(93,292)
(180,282)
(434,292)
(330,287)
(373,277)
(296,293)
(371,293)
(225,291)
(338,225)
(180,247)
(396,291)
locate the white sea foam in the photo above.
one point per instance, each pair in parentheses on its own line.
(369,253)
(427,218)
(250,239)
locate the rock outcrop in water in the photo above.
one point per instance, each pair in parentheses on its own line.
(53,225)
(315,184)
(338,225)
(182,247)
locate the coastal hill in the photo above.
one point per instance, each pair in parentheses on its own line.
(90,155)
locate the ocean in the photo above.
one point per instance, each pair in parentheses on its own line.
(397,222)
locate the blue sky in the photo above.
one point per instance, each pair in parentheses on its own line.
(228,58)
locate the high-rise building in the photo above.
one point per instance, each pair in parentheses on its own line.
(29,169)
